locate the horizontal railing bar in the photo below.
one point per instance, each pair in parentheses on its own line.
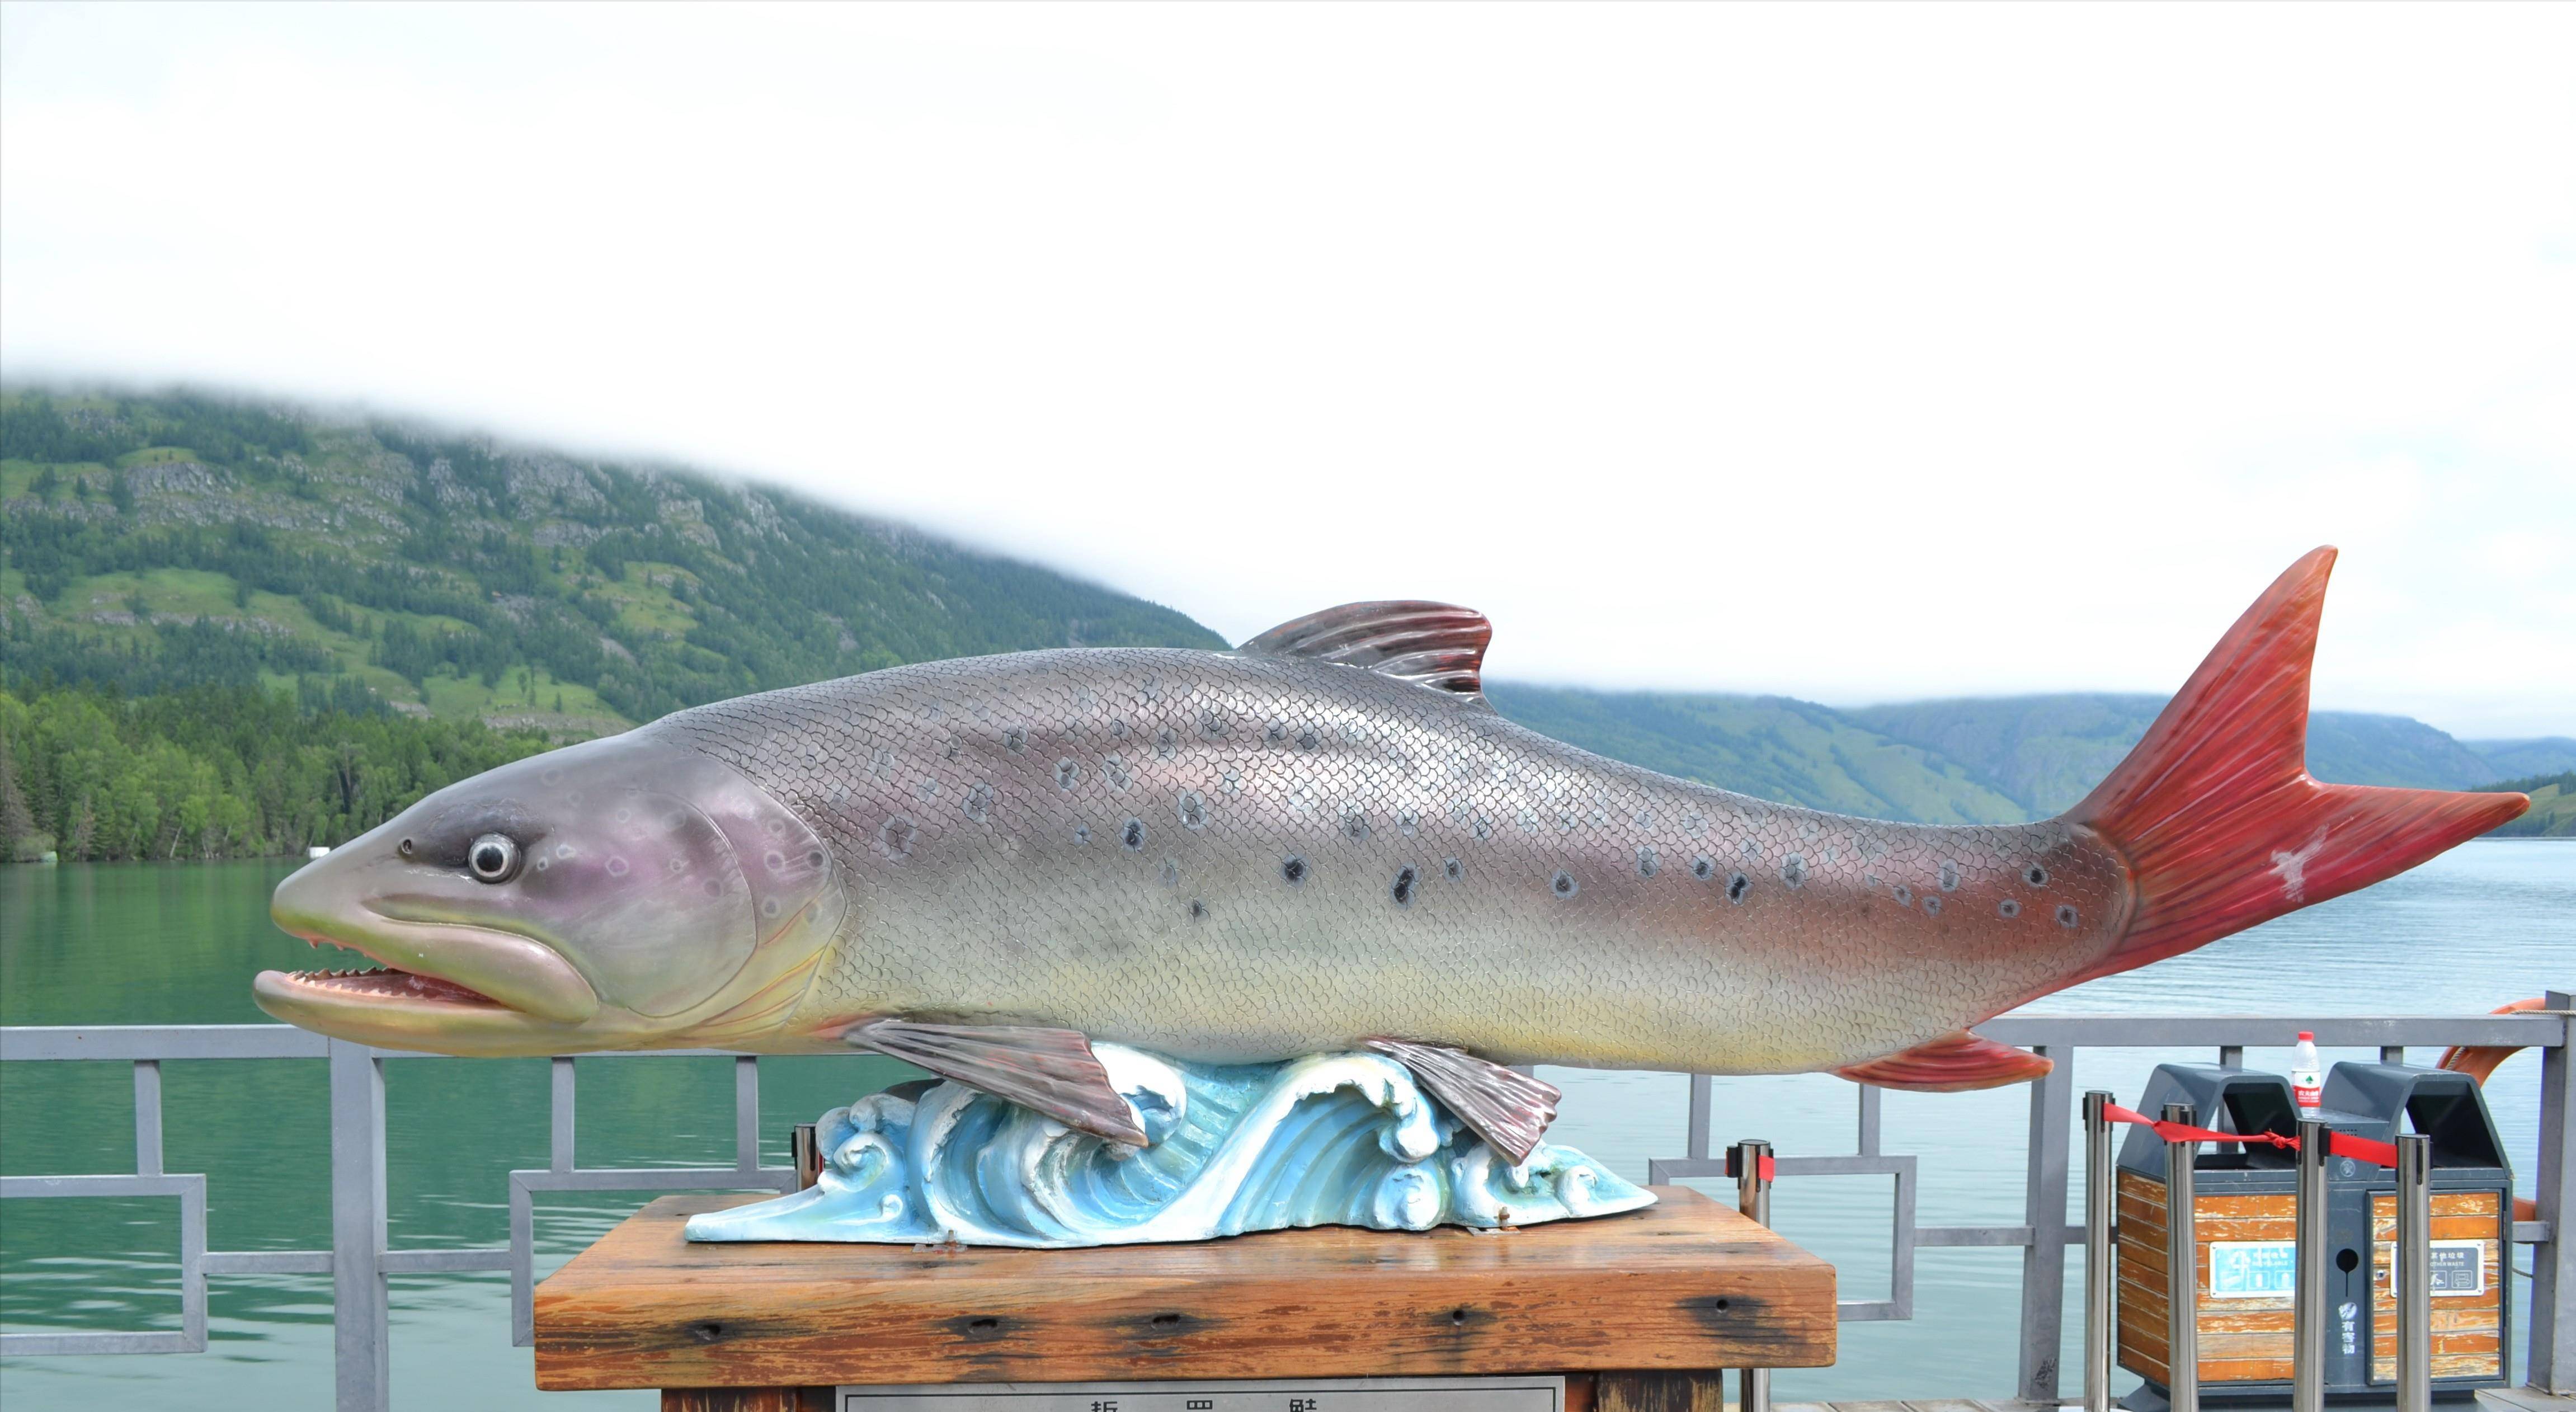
(2531,1232)
(1865,1311)
(160,1042)
(76,1042)
(1976,1236)
(649,1178)
(435,1262)
(105,1184)
(2539,1029)
(39,1345)
(266,1262)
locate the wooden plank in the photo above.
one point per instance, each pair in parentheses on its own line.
(1699,1390)
(1686,1284)
(747,1399)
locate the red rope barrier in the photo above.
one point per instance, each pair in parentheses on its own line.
(2338,1144)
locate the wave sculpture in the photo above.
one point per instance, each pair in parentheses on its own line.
(1330,1139)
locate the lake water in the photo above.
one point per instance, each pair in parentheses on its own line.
(2485,924)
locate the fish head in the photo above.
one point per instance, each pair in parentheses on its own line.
(624,893)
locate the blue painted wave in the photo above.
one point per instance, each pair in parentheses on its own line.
(1332,1139)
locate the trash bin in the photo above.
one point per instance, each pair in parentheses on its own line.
(2472,1221)
(2244,1209)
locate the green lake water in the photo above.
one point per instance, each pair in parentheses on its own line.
(2485,924)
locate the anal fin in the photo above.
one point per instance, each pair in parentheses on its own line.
(1956,1062)
(1051,1071)
(1509,1110)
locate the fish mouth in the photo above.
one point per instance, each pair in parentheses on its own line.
(447,986)
(385,983)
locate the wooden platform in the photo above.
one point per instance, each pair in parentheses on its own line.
(1684,1285)
(2517,1399)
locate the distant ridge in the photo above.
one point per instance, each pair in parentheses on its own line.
(1971,760)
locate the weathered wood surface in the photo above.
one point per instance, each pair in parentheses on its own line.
(2468,1331)
(1685,1284)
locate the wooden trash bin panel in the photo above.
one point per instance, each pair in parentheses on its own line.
(2468,1329)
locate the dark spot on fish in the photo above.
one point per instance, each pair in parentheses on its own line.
(1703,868)
(1794,872)
(1198,910)
(1015,740)
(1904,895)
(979,801)
(1647,863)
(1356,825)
(2008,908)
(769,906)
(1171,874)
(1134,834)
(1275,732)
(1484,827)
(616,867)
(1402,892)
(1165,743)
(1949,877)
(2037,875)
(813,859)
(2065,914)
(1736,886)
(896,834)
(1193,810)
(1066,772)
(1453,868)
(1563,884)
(1307,739)
(714,887)
(1294,870)
(1931,906)
(1118,727)
(1082,833)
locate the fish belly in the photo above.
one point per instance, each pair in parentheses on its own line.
(1237,858)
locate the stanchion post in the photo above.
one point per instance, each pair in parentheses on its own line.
(2099,1285)
(1753,1198)
(808,1155)
(2308,1261)
(2182,1269)
(2412,1273)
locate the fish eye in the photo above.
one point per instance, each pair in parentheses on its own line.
(493,858)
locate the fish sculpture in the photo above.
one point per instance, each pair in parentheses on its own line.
(1324,841)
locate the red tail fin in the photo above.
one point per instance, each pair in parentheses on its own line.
(2216,814)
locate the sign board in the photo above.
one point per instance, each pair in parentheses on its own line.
(2459,1267)
(2253,1269)
(1504,1394)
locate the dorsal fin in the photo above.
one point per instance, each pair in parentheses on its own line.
(1438,645)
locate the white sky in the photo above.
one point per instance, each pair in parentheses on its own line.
(1857,353)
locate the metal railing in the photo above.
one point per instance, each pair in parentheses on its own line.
(360,1260)
(2045,1231)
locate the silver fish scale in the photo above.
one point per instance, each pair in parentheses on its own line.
(1237,857)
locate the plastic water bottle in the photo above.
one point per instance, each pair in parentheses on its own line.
(2307,1082)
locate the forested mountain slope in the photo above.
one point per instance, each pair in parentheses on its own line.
(172,540)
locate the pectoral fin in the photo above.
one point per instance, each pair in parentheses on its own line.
(1509,1110)
(1955,1062)
(1051,1071)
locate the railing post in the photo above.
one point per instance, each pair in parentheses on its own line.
(2043,1261)
(2553,1261)
(1753,1198)
(2412,1273)
(2308,1315)
(360,1307)
(2182,1269)
(2099,1284)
